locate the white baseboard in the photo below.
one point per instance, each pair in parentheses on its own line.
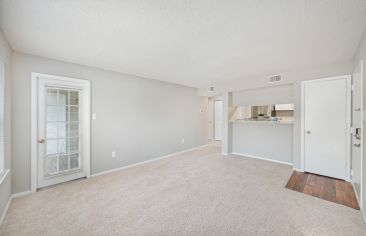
(16,195)
(262,158)
(357,197)
(148,161)
(299,170)
(5,210)
(359,204)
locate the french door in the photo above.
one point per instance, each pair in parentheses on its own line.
(62,130)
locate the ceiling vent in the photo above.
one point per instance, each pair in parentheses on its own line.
(275,78)
(211,89)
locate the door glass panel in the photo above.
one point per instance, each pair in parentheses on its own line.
(61,146)
(51,146)
(51,165)
(62,131)
(52,113)
(74,98)
(63,164)
(51,130)
(74,145)
(52,97)
(74,161)
(73,129)
(74,113)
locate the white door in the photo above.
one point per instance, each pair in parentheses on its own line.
(326,126)
(357,114)
(211,126)
(218,120)
(62,130)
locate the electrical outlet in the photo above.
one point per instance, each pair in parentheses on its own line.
(114,154)
(183,140)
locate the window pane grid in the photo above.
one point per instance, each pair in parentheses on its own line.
(62,131)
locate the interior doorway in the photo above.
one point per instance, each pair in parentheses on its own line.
(218,119)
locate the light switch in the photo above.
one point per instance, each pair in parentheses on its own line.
(95,116)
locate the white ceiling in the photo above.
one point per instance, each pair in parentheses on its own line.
(188,42)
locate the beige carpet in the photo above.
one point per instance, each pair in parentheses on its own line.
(197,193)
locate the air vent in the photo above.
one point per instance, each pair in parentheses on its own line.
(275,78)
(211,89)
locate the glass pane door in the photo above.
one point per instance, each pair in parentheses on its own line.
(62,131)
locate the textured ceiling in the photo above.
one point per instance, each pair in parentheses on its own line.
(188,42)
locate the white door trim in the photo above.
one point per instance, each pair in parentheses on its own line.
(34,123)
(348,137)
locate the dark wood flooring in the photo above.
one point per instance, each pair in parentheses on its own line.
(334,190)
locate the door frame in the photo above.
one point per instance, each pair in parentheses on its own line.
(348,121)
(214,118)
(362,110)
(34,123)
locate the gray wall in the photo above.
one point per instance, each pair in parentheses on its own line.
(139,118)
(288,77)
(264,96)
(271,141)
(361,55)
(5,187)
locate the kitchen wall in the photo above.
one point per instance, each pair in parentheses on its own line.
(264,96)
(139,118)
(5,186)
(270,141)
(361,55)
(288,77)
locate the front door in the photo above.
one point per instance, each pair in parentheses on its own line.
(61,134)
(326,126)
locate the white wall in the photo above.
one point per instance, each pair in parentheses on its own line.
(288,77)
(271,141)
(139,118)
(5,187)
(361,55)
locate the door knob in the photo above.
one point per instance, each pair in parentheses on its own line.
(41,141)
(308,132)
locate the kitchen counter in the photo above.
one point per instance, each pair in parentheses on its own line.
(285,122)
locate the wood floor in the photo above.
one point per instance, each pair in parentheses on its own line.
(334,190)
